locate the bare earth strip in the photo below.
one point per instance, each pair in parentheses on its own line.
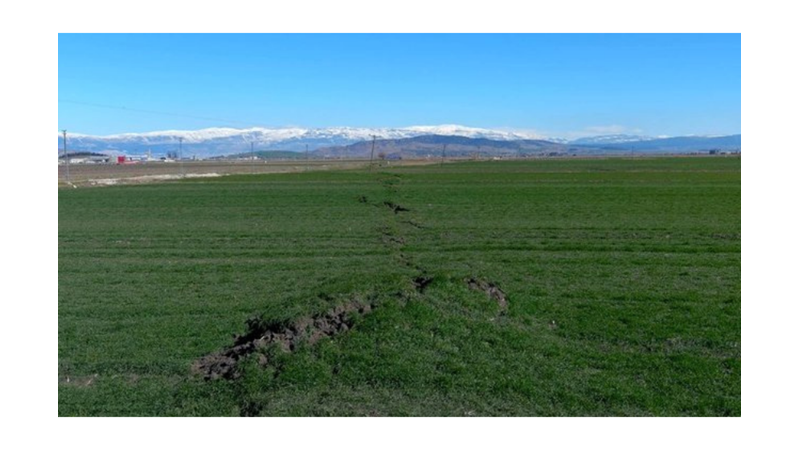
(113,174)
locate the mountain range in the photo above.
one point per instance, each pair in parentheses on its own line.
(457,146)
(345,141)
(434,146)
(678,144)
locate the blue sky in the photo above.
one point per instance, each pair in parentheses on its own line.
(557,85)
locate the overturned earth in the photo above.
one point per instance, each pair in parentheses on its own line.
(261,334)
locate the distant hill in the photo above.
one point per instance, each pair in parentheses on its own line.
(433,145)
(213,142)
(610,139)
(679,144)
(458,146)
(418,141)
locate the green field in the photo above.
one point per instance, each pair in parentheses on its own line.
(614,289)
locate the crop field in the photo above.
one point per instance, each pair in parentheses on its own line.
(606,287)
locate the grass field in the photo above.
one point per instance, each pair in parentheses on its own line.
(537,288)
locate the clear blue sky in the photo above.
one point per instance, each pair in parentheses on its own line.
(558,85)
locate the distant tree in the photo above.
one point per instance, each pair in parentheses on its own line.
(382,155)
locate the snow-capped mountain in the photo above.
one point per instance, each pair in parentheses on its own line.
(229,141)
(610,139)
(222,141)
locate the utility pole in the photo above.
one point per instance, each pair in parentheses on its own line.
(444,151)
(372,156)
(180,156)
(253,155)
(66,155)
(307,158)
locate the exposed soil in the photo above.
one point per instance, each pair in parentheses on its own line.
(395,207)
(396,240)
(491,290)
(390,238)
(421,283)
(86,175)
(261,334)
(82,382)
(414,224)
(149,179)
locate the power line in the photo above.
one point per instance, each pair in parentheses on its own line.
(160,113)
(66,155)
(372,155)
(180,156)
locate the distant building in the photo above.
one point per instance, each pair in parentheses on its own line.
(84,158)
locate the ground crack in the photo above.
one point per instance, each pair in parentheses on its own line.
(395,207)
(261,334)
(422,282)
(491,290)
